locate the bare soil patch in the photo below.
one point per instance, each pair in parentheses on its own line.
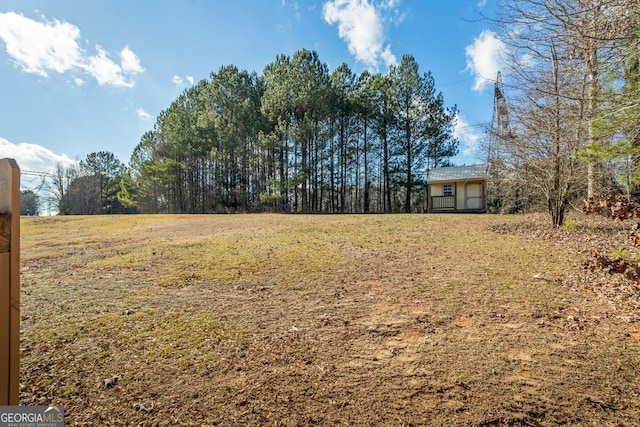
(292,320)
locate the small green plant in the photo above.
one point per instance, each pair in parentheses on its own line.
(571,225)
(70,392)
(625,254)
(620,253)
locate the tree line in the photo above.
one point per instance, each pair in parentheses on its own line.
(297,138)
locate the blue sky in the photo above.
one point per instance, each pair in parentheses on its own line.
(81,76)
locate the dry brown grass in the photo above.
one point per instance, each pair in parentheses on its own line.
(319,320)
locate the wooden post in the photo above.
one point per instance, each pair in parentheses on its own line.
(9,282)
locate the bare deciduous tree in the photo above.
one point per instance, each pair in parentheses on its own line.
(558,50)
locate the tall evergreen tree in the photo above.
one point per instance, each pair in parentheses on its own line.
(29,203)
(309,77)
(424,125)
(277,109)
(343,84)
(383,127)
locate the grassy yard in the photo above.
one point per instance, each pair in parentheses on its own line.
(294,320)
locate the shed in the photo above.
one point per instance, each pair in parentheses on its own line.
(457,189)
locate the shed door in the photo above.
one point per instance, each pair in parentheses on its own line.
(473,195)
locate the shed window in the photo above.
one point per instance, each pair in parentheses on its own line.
(447,190)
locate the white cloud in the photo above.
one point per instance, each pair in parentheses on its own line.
(33,157)
(388,57)
(130,61)
(468,136)
(482,3)
(392,12)
(360,24)
(178,81)
(485,57)
(40,47)
(52,46)
(143,115)
(105,71)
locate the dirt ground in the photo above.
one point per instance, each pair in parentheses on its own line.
(354,320)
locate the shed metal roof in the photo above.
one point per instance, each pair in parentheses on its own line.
(457,173)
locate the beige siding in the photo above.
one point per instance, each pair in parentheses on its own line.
(473,195)
(459,189)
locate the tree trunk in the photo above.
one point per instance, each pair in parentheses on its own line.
(407,202)
(366,171)
(557,199)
